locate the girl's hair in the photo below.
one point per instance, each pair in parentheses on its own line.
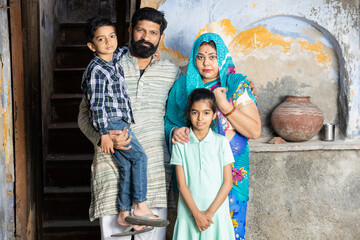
(211,43)
(201,94)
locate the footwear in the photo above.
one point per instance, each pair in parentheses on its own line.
(130,231)
(145,220)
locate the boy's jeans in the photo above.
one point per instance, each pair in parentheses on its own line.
(133,166)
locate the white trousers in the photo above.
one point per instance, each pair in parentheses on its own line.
(109,226)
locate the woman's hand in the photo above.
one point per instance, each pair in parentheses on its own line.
(180,135)
(222,102)
(253,89)
(120,139)
(202,221)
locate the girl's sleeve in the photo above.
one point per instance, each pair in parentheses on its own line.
(176,155)
(227,153)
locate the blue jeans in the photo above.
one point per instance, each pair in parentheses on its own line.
(133,166)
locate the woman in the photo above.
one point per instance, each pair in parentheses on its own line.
(237,118)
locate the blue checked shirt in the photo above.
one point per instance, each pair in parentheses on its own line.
(106,91)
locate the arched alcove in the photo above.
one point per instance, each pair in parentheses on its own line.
(291,55)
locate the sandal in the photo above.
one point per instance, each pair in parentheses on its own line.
(130,231)
(145,220)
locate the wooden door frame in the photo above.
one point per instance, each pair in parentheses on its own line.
(24,39)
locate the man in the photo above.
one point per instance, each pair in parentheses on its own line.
(149,82)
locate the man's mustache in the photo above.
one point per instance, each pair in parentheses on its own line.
(143,41)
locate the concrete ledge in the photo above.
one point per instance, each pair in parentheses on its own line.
(261,145)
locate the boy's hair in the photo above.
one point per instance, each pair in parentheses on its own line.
(92,24)
(201,94)
(149,14)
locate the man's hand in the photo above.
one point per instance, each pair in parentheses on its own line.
(120,139)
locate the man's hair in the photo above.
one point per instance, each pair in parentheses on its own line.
(149,14)
(92,24)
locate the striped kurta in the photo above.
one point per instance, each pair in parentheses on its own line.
(148,95)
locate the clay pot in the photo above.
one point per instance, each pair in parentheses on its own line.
(297,119)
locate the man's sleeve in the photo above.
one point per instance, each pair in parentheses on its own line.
(85,123)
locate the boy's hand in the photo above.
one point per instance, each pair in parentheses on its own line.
(107,145)
(120,139)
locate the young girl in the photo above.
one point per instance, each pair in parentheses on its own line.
(203,170)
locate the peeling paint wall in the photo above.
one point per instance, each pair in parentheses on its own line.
(7,227)
(281,46)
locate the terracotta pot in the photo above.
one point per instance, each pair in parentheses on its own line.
(297,119)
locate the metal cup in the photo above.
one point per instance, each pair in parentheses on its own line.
(328,132)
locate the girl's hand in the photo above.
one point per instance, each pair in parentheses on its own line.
(209,215)
(202,221)
(107,145)
(180,135)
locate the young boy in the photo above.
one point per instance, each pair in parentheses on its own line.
(106,91)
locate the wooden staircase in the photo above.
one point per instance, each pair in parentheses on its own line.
(66,194)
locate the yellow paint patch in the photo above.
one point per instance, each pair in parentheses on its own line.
(259,37)
(202,31)
(224,28)
(152,3)
(317,48)
(253,5)
(173,55)
(352,92)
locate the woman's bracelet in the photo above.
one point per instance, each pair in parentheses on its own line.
(229,113)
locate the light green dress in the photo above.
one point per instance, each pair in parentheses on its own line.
(203,163)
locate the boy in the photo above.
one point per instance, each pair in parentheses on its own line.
(106,92)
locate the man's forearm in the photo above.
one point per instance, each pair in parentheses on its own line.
(85,123)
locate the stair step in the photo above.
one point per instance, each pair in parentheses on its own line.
(65,107)
(73,56)
(64,170)
(66,137)
(71,230)
(72,33)
(66,203)
(68,80)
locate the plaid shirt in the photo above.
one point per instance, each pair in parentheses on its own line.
(106,91)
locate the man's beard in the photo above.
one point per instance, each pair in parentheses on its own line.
(143,51)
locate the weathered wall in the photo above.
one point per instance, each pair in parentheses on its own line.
(308,195)
(286,47)
(7,177)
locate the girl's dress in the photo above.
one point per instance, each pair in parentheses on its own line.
(237,93)
(203,163)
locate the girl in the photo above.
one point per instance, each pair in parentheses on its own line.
(203,170)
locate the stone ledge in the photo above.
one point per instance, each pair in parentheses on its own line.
(261,145)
